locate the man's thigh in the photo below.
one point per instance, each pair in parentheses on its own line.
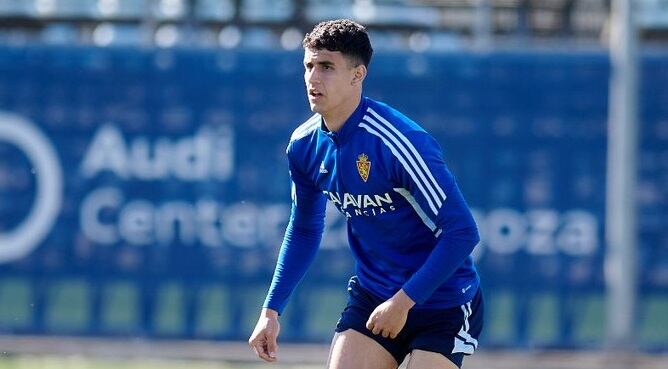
(353,350)
(429,360)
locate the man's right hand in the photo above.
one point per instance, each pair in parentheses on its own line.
(263,339)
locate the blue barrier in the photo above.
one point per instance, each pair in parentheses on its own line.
(166,215)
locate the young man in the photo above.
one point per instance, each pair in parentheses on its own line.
(410,230)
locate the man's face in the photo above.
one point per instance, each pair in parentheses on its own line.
(330,80)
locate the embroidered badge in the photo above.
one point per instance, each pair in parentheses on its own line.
(363,166)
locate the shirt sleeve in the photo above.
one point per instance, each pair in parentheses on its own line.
(301,240)
(423,173)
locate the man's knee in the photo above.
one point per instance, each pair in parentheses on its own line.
(353,350)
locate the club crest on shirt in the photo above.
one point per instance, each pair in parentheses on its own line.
(363,166)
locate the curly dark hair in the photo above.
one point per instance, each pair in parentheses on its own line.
(344,35)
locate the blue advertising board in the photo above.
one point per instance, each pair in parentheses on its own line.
(145,192)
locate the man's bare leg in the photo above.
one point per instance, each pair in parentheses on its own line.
(353,350)
(429,360)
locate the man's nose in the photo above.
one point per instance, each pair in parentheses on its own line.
(313,77)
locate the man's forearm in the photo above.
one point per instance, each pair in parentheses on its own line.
(446,257)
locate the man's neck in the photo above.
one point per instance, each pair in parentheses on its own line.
(334,121)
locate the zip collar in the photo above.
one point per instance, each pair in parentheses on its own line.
(349,126)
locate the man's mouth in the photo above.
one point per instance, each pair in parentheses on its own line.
(314,93)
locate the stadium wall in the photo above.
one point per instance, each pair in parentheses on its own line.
(145,192)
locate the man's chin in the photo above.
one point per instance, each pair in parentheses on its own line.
(315,108)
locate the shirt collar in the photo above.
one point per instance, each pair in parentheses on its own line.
(349,126)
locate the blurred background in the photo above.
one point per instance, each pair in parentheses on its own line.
(144,187)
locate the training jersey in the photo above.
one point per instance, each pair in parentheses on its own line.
(408,225)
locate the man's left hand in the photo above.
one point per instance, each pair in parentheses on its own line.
(390,317)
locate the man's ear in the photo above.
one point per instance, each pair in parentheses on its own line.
(359,74)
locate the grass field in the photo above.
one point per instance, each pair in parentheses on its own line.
(87,353)
(487,360)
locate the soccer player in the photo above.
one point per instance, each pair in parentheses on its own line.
(416,290)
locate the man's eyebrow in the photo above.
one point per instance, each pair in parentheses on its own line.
(325,63)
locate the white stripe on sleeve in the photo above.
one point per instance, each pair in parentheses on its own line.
(406,155)
(411,200)
(404,164)
(412,149)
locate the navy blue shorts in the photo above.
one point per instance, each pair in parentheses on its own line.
(452,332)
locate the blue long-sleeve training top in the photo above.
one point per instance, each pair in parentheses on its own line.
(408,225)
